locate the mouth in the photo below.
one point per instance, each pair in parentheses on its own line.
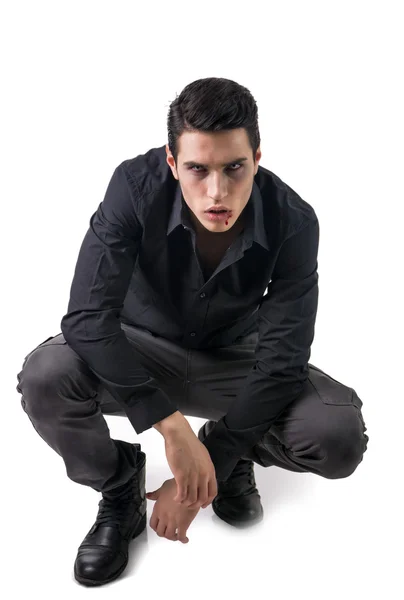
(221,214)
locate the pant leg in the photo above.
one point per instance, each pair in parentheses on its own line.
(322,431)
(65,402)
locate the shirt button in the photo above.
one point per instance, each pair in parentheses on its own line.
(193,334)
(202,295)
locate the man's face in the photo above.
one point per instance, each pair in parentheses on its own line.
(211,173)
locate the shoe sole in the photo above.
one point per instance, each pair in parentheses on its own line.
(94,582)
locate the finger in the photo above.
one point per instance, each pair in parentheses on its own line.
(170,533)
(154,521)
(182,489)
(182,497)
(203,498)
(212,487)
(212,491)
(161,528)
(181,534)
(193,490)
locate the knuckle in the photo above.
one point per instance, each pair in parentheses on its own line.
(192,496)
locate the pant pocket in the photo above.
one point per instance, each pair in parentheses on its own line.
(332,391)
(336,393)
(53,339)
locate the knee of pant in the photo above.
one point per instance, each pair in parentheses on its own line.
(344,447)
(342,464)
(38,383)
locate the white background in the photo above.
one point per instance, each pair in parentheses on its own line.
(87,85)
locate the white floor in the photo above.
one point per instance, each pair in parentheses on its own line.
(319,538)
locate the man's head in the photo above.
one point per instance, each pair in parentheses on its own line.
(213,149)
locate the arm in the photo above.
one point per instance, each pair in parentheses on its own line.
(286,322)
(92,326)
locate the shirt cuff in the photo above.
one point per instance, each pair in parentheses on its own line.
(143,414)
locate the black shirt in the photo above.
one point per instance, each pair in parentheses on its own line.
(138,264)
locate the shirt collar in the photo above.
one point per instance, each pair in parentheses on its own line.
(254,230)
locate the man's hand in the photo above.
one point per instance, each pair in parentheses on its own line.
(192,467)
(168,515)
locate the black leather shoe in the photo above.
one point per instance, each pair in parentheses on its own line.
(238,501)
(103,554)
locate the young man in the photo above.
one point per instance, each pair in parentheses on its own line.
(195,293)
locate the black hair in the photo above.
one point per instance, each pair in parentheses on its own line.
(213,104)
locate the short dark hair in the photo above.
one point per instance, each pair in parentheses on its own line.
(213,104)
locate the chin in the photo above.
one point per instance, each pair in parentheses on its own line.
(217,227)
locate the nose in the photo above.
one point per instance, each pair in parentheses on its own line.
(217,189)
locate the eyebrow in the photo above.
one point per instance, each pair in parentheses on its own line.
(192,163)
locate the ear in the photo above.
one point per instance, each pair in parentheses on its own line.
(258,155)
(171,162)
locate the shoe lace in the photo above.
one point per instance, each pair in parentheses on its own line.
(241,479)
(116,509)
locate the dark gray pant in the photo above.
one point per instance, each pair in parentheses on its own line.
(322,432)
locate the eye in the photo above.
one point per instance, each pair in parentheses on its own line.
(199,167)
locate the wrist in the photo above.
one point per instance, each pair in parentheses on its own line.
(172,425)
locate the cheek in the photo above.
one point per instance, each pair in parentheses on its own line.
(191,184)
(196,192)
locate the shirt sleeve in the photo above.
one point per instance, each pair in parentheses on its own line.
(286,324)
(92,326)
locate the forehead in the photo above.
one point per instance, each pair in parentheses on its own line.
(213,148)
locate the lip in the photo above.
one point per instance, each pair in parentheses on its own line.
(220,207)
(223,217)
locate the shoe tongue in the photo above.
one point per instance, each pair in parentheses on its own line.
(106,534)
